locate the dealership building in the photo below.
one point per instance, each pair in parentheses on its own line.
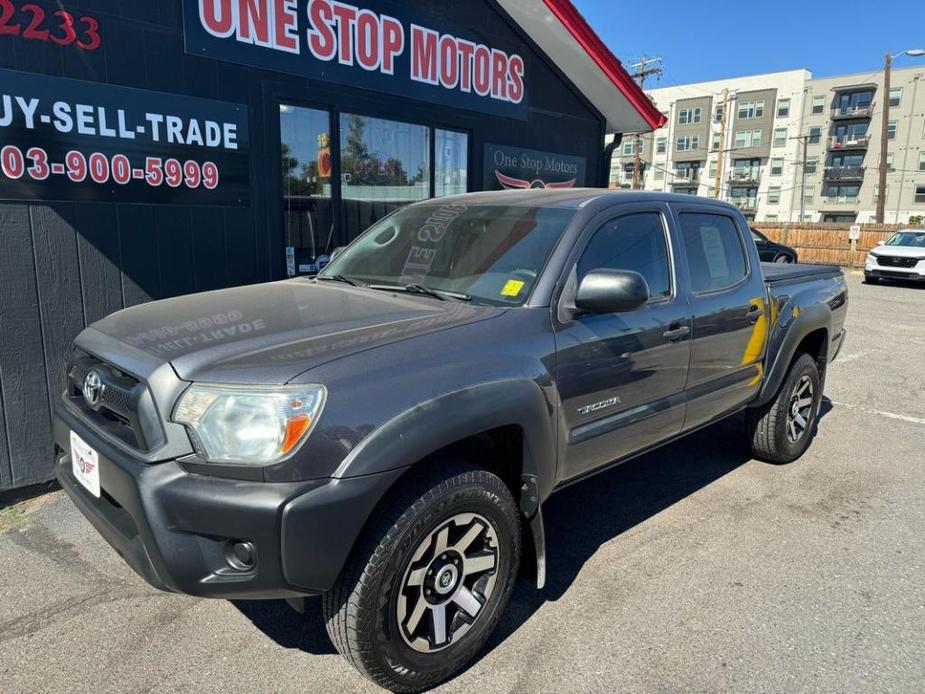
(153,149)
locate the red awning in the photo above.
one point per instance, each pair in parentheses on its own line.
(567,38)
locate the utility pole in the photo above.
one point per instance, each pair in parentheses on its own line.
(646,67)
(805,140)
(721,154)
(884,138)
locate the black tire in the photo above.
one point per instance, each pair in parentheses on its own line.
(783,258)
(361,610)
(768,425)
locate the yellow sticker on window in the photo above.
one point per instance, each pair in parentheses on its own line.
(512,288)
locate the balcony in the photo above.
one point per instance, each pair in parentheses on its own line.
(747,205)
(842,142)
(845,173)
(744,177)
(841,200)
(686,176)
(846,112)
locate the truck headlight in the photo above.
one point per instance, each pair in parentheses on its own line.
(255,425)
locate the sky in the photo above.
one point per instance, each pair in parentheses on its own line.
(701,41)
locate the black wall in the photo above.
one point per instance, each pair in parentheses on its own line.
(64,265)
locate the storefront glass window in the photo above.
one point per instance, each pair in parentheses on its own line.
(306,158)
(452,165)
(384,165)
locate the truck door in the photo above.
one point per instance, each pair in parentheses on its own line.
(727,298)
(621,375)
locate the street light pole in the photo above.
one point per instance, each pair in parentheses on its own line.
(885,126)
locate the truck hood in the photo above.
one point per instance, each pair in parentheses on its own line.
(899,251)
(271,333)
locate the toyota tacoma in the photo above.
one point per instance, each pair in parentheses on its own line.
(385,435)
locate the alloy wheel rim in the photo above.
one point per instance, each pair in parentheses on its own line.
(799,411)
(449,580)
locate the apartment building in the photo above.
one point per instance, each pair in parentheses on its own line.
(745,138)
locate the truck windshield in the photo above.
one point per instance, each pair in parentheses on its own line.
(488,254)
(908,238)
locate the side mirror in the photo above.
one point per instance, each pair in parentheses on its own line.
(612,291)
(336,252)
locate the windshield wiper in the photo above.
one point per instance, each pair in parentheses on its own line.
(440,294)
(343,278)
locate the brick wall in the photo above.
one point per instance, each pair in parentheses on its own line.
(827,243)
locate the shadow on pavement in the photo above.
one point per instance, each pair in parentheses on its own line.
(578,520)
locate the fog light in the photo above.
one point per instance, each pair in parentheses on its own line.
(241,555)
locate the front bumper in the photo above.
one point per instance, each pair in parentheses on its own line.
(174,527)
(912,274)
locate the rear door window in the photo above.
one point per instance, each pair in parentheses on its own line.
(715,254)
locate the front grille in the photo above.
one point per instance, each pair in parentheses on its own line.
(895,261)
(124,409)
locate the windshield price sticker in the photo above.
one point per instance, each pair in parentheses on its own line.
(71,140)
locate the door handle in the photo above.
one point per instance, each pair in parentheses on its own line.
(754,313)
(678,333)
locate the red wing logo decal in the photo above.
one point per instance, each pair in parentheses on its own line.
(85,465)
(510,183)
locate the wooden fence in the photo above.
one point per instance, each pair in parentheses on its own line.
(825,243)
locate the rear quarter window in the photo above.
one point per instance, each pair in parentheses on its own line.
(715,254)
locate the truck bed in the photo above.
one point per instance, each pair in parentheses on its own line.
(783,273)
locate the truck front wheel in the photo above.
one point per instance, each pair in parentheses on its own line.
(428,582)
(781,430)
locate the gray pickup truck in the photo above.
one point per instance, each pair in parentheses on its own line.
(385,435)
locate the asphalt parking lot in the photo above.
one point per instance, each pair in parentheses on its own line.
(693,569)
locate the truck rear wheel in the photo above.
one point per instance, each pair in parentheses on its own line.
(429,581)
(781,430)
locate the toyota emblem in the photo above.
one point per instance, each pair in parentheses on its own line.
(93,388)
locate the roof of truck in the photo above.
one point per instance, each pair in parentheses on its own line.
(571,198)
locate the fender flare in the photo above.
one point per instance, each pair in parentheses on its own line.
(429,426)
(792,328)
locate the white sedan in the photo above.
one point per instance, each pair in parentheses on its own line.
(901,257)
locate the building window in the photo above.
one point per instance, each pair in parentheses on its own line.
(659,173)
(716,144)
(688,116)
(661,145)
(815,134)
(687,142)
(718,113)
(751,109)
(777,167)
(714,166)
(308,214)
(818,104)
(774,195)
(770,218)
(385,165)
(889,162)
(809,193)
(891,130)
(811,164)
(921,161)
(451,168)
(628,146)
(748,138)
(783,108)
(780,137)
(920,194)
(896,97)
